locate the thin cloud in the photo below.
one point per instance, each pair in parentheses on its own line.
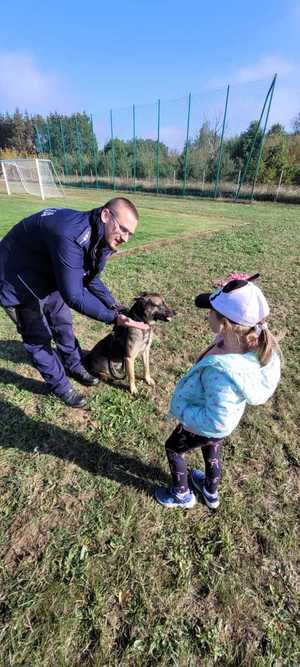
(285,105)
(251,83)
(25,85)
(264,68)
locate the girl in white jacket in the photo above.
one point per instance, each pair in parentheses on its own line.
(241,366)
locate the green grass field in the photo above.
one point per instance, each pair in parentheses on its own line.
(161,217)
(94,572)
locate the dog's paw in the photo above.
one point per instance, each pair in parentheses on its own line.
(133,390)
(150,382)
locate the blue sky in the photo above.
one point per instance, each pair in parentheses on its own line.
(96,56)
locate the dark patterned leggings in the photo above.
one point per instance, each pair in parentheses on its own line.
(182,441)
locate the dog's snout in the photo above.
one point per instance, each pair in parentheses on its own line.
(169,313)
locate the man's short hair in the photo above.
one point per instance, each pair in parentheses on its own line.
(113,205)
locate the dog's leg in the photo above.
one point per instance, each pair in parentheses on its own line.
(146,358)
(129,363)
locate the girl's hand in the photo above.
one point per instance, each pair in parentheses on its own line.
(124,321)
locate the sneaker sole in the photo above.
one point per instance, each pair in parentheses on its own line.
(211,504)
(186,506)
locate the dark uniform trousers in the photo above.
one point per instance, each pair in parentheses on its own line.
(38,323)
(52,253)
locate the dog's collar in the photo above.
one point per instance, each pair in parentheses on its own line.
(137,319)
(134,315)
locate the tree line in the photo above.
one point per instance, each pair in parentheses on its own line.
(71,143)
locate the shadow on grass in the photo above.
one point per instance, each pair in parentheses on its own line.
(29,435)
(29,384)
(39,387)
(13,350)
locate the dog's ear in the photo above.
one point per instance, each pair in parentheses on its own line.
(141,297)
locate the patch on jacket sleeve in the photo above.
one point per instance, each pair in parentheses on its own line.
(48,211)
(84,238)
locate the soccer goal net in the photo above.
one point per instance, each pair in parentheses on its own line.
(33,176)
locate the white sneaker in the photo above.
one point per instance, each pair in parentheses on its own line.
(169,498)
(212,500)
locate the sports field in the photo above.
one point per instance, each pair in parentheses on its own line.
(94,572)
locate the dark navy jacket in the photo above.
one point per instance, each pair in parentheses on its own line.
(57,249)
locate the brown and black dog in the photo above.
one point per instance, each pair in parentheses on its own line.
(114,355)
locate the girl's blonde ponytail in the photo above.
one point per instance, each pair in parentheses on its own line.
(263,342)
(258,339)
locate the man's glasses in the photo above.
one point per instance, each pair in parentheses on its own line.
(125,233)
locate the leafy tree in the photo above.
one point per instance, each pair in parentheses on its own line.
(241,149)
(6,131)
(117,148)
(296,124)
(71,143)
(276,129)
(276,156)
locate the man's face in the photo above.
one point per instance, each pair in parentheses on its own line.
(120,225)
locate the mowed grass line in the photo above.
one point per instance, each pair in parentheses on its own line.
(161,217)
(94,571)
(156,221)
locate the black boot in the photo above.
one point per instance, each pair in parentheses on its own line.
(73,399)
(84,377)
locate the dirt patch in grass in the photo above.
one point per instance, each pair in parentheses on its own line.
(29,538)
(29,541)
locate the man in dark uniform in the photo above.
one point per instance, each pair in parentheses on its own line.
(50,262)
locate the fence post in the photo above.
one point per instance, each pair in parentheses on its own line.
(186,152)
(64,146)
(253,142)
(263,138)
(221,147)
(78,141)
(238,181)
(94,151)
(158,148)
(113,162)
(134,147)
(39,148)
(279,184)
(49,137)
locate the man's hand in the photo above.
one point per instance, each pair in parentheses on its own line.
(124,321)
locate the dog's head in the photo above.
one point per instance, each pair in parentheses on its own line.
(150,307)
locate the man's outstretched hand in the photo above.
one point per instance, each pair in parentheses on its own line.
(125,321)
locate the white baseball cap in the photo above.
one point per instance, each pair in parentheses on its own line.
(241,301)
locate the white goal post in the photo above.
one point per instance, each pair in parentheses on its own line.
(33,176)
